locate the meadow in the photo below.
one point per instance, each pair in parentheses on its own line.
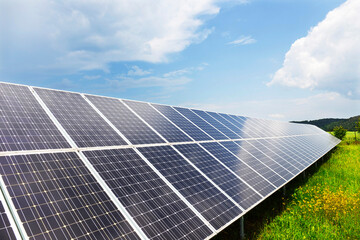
(323,205)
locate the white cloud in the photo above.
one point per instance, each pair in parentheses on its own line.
(84,35)
(276,115)
(325,105)
(163,82)
(243,40)
(137,71)
(328,58)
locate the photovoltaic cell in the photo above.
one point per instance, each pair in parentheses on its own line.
(135,130)
(84,125)
(239,167)
(216,124)
(56,197)
(6,231)
(215,207)
(221,176)
(206,127)
(158,122)
(24,125)
(154,206)
(196,133)
(254,163)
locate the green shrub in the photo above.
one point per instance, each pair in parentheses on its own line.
(339,132)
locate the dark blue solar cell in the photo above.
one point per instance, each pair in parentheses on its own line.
(221,176)
(169,131)
(6,231)
(215,207)
(134,129)
(56,197)
(154,206)
(216,124)
(206,127)
(254,163)
(254,179)
(196,133)
(24,125)
(84,125)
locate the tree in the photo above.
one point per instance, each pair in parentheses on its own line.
(357,127)
(340,132)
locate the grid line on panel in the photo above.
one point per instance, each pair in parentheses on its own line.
(188,127)
(254,163)
(24,125)
(216,124)
(222,177)
(254,179)
(159,212)
(133,128)
(164,127)
(202,194)
(56,197)
(198,121)
(81,122)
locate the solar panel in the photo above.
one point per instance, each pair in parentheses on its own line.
(6,231)
(227,181)
(135,130)
(24,125)
(56,197)
(254,179)
(223,129)
(158,122)
(202,194)
(79,119)
(93,167)
(192,130)
(153,205)
(206,127)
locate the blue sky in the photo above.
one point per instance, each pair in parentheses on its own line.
(274,59)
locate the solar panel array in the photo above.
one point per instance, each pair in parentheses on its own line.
(77,166)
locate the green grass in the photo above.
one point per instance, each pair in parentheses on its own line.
(325,205)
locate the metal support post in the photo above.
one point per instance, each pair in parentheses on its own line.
(242,231)
(304,175)
(284,190)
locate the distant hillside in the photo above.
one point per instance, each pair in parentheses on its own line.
(328,124)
